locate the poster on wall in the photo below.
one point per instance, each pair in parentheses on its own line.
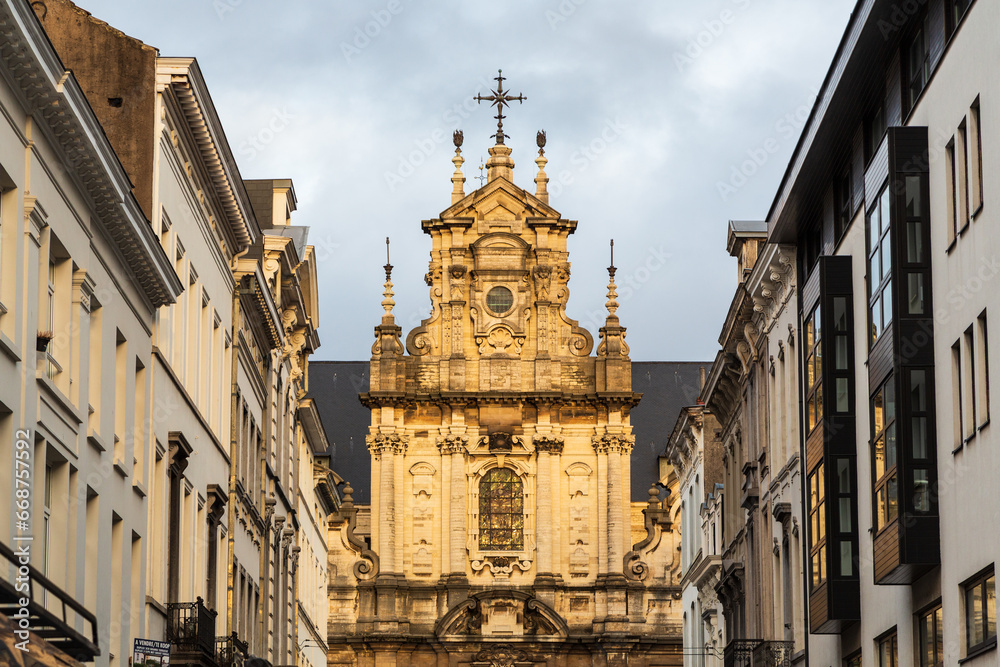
(150,653)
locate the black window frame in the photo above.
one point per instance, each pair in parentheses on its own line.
(915,82)
(888,430)
(984,580)
(845,205)
(816,490)
(879,248)
(891,639)
(934,614)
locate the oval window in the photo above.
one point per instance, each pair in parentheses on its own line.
(499,301)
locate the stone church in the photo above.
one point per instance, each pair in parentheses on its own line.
(503,530)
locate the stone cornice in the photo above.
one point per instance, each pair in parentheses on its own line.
(613,443)
(184,78)
(53,96)
(379,399)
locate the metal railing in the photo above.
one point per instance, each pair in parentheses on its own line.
(758,653)
(230,651)
(53,613)
(191,627)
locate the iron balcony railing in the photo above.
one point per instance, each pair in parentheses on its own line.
(191,627)
(51,612)
(758,653)
(230,651)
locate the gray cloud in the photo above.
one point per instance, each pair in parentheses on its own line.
(695,86)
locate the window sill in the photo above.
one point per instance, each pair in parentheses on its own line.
(979,209)
(119,466)
(960,447)
(951,245)
(8,347)
(140,489)
(964,228)
(985,647)
(984,425)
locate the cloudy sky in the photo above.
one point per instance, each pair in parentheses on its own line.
(665,119)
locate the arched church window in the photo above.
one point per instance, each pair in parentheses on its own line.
(501,511)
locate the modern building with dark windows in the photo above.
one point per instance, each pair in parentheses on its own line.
(887,210)
(887,198)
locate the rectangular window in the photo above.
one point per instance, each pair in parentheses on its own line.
(121,400)
(884,455)
(968,386)
(844,204)
(817,526)
(956,12)
(931,636)
(951,190)
(976,152)
(853,661)
(139,432)
(982,370)
(814,370)
(980,611)
(879,267)
(875,130)
(956,391)
(962,184)
(888,651)
(918,62)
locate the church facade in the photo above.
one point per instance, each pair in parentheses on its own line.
(501,516)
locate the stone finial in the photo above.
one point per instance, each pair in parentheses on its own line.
(612,303)
(348,499)
(458,179)
(387,302)
(612,333)
(541,179)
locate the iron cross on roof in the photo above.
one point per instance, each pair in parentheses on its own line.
(500,99)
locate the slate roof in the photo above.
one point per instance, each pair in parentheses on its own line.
(666,388)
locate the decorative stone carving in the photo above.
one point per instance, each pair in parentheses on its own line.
(543,281)
(502,655)
(500,341)
(453,444)
(380,443)
(613,444)
(548,444)
(501,566)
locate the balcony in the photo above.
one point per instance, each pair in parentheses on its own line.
(191,633)
(758,653)
(52,614)
(230,651)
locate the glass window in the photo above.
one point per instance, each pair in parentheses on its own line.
(853,661)
(501,511)
(817,526)
(931,639)
(814,369)
(980,611)
(888,651)
(879,267)
(918,60)
(499,300)
(884,455)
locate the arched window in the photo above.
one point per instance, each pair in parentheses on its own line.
(501,511)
